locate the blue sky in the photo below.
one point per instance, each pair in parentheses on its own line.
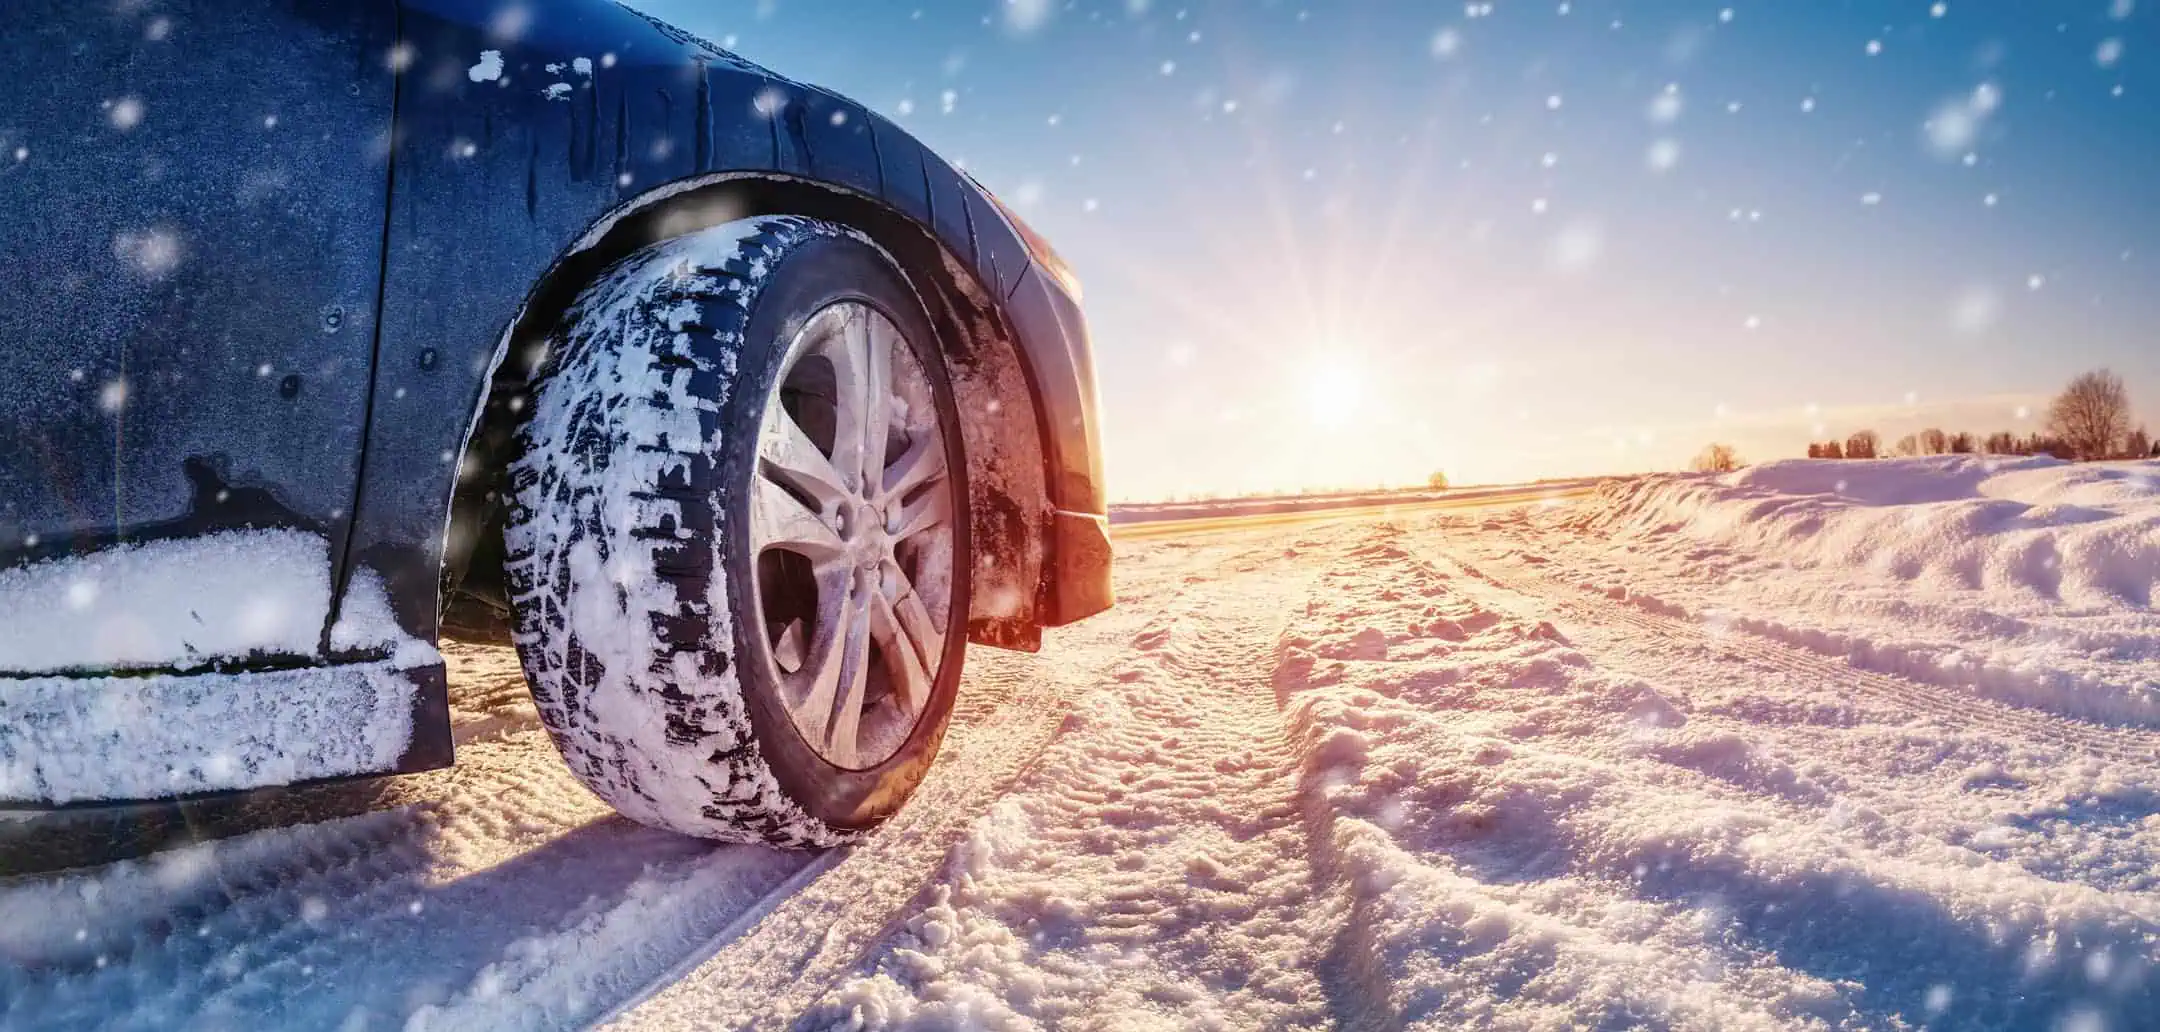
(1349,243)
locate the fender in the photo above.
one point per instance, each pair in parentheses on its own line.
(523,162)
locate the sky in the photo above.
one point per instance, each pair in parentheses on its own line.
(1344,244)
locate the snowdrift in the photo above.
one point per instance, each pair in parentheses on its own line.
(2024,528)
(2030,580)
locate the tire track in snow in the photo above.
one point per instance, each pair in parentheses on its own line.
(1010,710)
(1150,865)
(1466,906)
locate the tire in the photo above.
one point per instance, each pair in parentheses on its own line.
(655,621)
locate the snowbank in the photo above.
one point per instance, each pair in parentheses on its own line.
(2029,580)
(2025,529)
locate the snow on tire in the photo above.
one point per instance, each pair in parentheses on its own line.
(733,591)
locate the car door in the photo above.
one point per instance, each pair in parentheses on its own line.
(191,222)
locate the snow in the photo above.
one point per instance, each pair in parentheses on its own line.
(182,601)
(498,881)
(186,603)
(156,620)
(1564,766)
(71,739)
(2025,579)
(1404,773)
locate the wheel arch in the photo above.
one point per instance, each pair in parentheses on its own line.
(1003,417)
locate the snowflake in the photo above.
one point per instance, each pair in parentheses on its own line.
(125,113)
(1665,107)
(1025,17)
(1663,155)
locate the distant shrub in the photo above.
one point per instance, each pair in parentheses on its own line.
(1717,458)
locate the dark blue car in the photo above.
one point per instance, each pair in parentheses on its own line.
(326,325)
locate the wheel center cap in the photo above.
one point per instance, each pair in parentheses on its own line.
(864,532)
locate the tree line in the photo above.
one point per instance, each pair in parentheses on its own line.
(2089,420)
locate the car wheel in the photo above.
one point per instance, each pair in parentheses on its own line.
(737,541)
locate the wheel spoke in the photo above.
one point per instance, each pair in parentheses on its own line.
(877,342)
(920,515)
(858,397)
(903,663)
(780,520)
(835,606)
(853,680)
(922,634)
(921,463)
(786,453)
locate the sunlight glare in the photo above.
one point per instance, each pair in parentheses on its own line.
(1333,393)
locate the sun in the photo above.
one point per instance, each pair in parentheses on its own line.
(1334,390)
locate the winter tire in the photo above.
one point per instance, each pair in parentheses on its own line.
(736,535)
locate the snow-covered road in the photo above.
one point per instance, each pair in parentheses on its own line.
(1614,764)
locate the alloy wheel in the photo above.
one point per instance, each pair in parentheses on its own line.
(851,527)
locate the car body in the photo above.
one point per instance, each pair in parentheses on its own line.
(275,273)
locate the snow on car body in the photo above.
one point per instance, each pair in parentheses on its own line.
(282,288)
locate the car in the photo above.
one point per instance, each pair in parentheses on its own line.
(331,325)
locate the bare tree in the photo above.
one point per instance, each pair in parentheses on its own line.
(1963,443)
(2001,442)
(2092,415)
(1934,442)
(1718,458)
(2138,444)
(1833,450)
(1863,445)
(1907,445)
